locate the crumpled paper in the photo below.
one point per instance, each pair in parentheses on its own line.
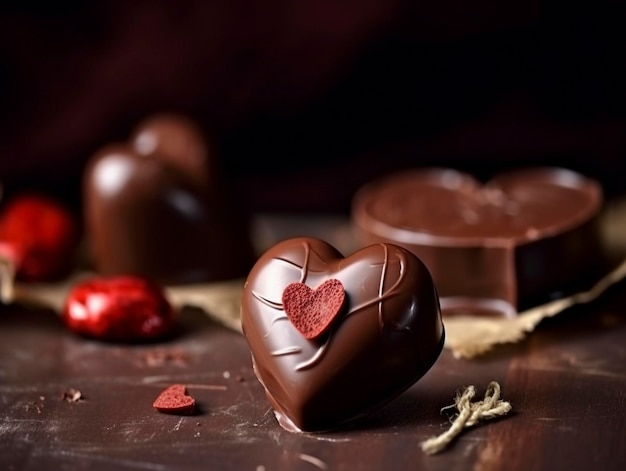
(219,300)
(466,336)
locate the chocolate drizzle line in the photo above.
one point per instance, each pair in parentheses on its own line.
(278,306)
(314,359)
(286,351)
(382,296)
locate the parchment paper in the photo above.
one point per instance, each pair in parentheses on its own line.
(466,336)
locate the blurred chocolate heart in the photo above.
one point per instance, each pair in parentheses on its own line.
(523,238)
(156,207)
(381,339)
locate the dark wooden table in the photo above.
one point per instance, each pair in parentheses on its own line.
(566,383)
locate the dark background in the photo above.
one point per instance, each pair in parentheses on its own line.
(305,101)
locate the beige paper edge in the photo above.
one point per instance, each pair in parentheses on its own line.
(466,336)
(221,301)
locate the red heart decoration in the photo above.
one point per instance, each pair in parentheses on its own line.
(384,329)
(174,400)
(312,311)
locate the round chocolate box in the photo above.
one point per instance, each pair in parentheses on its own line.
(524,237)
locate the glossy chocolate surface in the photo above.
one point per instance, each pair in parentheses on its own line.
(520,238)
(156,207)
(386,339)
(570,371)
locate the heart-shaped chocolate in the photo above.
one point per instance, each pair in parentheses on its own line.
(175,400)
(385,337)
(155,207)
(518,239)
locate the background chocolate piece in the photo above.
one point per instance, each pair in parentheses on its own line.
(524,236)
(156,207)
(388,337)
(178,141)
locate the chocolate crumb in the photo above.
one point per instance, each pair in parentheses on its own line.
(156,358)
(71,395)
(36,406)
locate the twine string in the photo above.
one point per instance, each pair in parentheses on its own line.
(469,414)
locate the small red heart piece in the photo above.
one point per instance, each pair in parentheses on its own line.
(174,400)
(312,311)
